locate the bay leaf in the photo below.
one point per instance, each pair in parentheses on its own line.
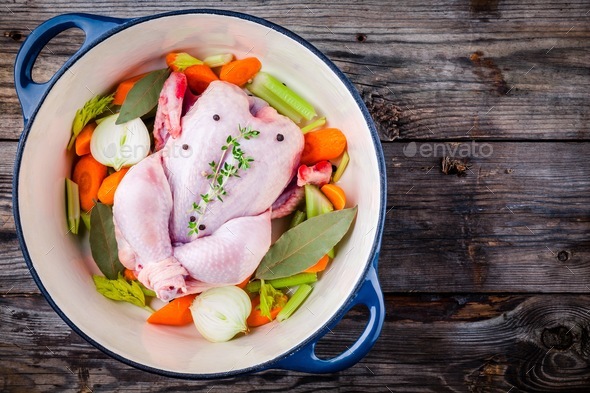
(302,246)
(143,96)
(103,244)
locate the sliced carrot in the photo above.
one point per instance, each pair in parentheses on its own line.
(256,318)
(239,72)
(175,313)
(106,192)
(124,88)
(129,275)
(83,139)
(335,195)
(88,174)
(180,61)
(244,283)
(320,266)
(198,77)
(324,144)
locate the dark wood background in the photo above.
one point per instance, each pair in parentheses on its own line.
(486,276)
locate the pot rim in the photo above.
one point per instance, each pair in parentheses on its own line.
(372,260)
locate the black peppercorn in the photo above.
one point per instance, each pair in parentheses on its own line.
(193,218)
(202,227)
(280,137)
(185,147)
(216,117)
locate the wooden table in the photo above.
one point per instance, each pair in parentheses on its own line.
(486,275)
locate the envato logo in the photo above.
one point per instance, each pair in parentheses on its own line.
(131,151)
(439,149)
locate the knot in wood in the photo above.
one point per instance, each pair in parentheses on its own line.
(563,256)
(559,337)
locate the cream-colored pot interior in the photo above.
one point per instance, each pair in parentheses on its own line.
(62,260)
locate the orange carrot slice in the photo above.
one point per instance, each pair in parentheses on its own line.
(320,266)
(180,61)
(198,77)
(239,72)
(83,139)
(124,88)
(129,275)
(335,195)
(88,174)
(256,318)
(106,192)
(324,144)
(175,313)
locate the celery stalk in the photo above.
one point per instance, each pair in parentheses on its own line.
(297,219)
(316,202)
(293,304)
(312,126)
(342,167)
(85,219)
(73,206)
(285,282)
(259,90)
(332,253)
(218,60)
(271,87)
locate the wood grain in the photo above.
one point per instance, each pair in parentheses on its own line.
(455,343)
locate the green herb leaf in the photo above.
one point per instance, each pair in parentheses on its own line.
(103,244)
(120,290)
(302,246)
(270,298)
(94,107)
(143,96)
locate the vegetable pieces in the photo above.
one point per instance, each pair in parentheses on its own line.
(83,139)
(121,290)
(94,107)
(124,88)
(320,265)
(198,78)
(88,174)
(316,202)
(72,206)
(293,304)
(106,192)
(181,61)
(256,318)
(218,60)
(335,194)
(280,97)
(239,72)
(342,167)
(175,313)
(324,144)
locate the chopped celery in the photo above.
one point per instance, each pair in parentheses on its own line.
(85,219)
(297,219)
(342,167)
(285,282)
(218,60)
(293,304)
(332,253)
(316,202)
(73,206)
(281,97)
(312,126)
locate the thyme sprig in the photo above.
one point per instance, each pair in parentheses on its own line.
(222,171)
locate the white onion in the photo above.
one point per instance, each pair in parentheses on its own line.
(220,313)
(119,145)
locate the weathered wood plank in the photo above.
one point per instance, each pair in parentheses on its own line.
(478,343)
(443,70)
(518,221)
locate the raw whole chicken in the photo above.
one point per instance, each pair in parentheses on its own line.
(154,203)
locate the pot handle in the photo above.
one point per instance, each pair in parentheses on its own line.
(30,92)
(371,296)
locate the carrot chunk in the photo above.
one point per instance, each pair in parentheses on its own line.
(124,88)
(335,195)
(239,72)
(320,266)
(83,139)
(175,313)
(88,174)
(324,144)
(256,318)
(198,77)
(106,192)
